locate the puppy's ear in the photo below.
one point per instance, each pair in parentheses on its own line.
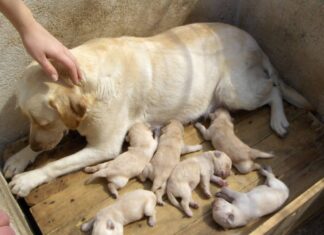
(88,225)
(230,218)
(127,138)
(110,224)
(71,108)
(217,153)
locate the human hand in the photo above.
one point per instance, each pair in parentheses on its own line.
(42,46)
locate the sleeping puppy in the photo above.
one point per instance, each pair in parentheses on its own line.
(187,174)
(130,163)
(167,155)
(128,208)
(181,74)
(221,133)
(234,209)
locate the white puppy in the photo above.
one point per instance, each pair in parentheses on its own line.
(130,163)
(167,155)
(187,174)
(234,209)
(181,74)
(128,208)
(221,133)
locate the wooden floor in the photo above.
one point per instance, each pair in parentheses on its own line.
(61,206)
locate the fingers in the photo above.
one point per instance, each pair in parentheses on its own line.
(48,68)
(4,219)
(68,61)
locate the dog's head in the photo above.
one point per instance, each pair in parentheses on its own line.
(227,215)
(174,126)
(51,107)
(222,164)
(220,113)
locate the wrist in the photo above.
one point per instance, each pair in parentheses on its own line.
(27,26)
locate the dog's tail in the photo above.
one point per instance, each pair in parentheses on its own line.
(289,94)
(255,153)
(172,199)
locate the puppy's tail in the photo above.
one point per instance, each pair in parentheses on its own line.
(288,93)
(172,199)
(255,153)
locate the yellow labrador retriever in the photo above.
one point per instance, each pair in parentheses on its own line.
(181,74)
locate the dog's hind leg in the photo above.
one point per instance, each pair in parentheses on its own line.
(149,211)
(115,184)
(279,122)
(190,148)
(185,201)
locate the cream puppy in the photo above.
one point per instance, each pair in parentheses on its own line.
(167,155)
(234,209)
(129,164)
(187,174)
(221,133)
(128,208)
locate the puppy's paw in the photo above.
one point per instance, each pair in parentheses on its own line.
(189,213)
(160,202)
(91,169)
(23,183)
(194,205)
(208,195)
(151,221)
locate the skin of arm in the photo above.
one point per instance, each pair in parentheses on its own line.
(39,43)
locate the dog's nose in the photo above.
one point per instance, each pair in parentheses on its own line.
(35,146)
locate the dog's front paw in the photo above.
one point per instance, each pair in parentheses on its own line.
(23,183)
(15,165)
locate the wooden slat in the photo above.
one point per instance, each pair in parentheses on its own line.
(10,206)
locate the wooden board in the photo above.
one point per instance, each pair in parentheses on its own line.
(61,206)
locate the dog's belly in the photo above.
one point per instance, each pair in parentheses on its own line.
(219,65)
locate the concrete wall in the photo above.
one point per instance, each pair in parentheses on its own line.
(74,22)
(291,33)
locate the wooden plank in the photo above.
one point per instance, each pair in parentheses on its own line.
(10,206)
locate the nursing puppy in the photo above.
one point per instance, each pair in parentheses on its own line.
(187,174)
(130,163)
(167,155)
(181,74)
(221,133)
(128,208)
(234,209)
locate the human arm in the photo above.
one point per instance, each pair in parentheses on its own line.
(39,43)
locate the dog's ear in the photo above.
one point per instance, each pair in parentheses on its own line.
(110,224)
(71,108)
(230,218)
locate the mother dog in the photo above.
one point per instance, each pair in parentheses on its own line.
(182,74)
